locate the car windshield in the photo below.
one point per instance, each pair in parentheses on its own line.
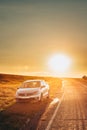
(31,84)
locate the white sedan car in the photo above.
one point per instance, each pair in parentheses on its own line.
(32,89)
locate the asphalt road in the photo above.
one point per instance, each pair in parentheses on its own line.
(72,113)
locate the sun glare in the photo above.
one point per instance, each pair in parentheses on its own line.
(59,63)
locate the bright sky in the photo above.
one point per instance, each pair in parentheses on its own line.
(32,31)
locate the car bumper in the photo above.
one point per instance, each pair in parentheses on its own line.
(27,97)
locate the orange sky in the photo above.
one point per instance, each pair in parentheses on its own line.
(31,32)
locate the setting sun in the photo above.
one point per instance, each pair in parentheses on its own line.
(59,62)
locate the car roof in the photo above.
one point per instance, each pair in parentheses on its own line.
(32,80)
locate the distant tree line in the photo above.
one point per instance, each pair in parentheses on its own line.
(84,77)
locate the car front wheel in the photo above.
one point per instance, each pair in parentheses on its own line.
(41,97)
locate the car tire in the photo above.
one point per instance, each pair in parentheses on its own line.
(48,95)
(41,97)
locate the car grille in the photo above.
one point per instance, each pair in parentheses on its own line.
(22,94)
(27,94)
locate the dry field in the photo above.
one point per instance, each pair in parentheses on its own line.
(12,114)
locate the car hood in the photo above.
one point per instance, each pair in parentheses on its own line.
(27,90)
